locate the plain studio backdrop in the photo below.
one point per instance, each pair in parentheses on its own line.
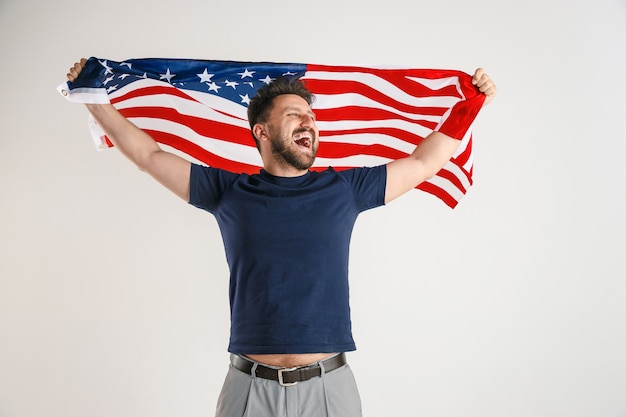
(113,293)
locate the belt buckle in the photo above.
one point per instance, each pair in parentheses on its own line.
(281,381)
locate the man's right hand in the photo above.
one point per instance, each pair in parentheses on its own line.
(76,69)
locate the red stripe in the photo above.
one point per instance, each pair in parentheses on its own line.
(342,150)
(369,114)
(444,173)
(438,192)
(200,153)
(151,91)
(460,118)
(204,127)
(464,156)
(390,131)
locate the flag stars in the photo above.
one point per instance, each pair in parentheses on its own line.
(266,80)
(214,87)
(105,64)
(108,80)
(128,64)
(232,84)
(246,73)
(245,99)
(123,76)
(112,88)
(167,76)
(205,77)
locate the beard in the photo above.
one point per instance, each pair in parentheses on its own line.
(283,151)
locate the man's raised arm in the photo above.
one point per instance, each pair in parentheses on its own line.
(170,170)
(432,153)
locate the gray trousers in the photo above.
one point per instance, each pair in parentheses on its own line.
(334,394)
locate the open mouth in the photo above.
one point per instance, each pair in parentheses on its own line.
(304,139)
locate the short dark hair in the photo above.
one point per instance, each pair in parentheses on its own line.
(262,103)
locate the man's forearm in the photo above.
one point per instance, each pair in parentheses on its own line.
(134,143)
(170,170)
(434,151)
(426,160)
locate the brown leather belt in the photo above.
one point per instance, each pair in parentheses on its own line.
(288,376)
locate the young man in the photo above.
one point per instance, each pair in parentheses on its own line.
(286,234)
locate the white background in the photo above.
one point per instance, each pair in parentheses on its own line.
(113,293)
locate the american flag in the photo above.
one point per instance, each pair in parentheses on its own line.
(367,116)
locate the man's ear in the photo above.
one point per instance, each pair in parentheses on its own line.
(260,132)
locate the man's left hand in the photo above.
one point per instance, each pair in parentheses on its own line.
(484,84)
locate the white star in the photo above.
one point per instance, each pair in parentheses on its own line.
(105,65)
(289,73)
(214,87)
(249,83)
(232,84)
(111,88)
(245,99)
(267,79)
(124,76)
(246,73)
(144,75)
(129,65)
(167,76)
(108,80)
(205,77)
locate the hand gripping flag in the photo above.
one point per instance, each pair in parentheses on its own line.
(366,116)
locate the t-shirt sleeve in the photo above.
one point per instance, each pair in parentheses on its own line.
(368,184)
(207,185)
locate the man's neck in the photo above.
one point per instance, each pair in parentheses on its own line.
(279,170)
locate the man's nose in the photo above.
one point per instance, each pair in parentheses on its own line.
(307,121)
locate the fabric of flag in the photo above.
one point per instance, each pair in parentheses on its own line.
(367,116)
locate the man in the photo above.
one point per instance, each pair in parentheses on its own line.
(286,234)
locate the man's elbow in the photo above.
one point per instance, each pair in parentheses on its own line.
(146,161)
(142,163)
(430,173)
(424,171)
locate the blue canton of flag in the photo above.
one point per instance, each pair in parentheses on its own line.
(235,81)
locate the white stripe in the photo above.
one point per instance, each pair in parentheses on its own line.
(447,186)
(436,83)
(328,101)
(223,104)
(84,95)
(463,144)
(457,172)
(370,139)
(414,128)
(97,134)
(373,81)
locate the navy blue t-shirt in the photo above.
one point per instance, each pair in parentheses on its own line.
(287,242)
